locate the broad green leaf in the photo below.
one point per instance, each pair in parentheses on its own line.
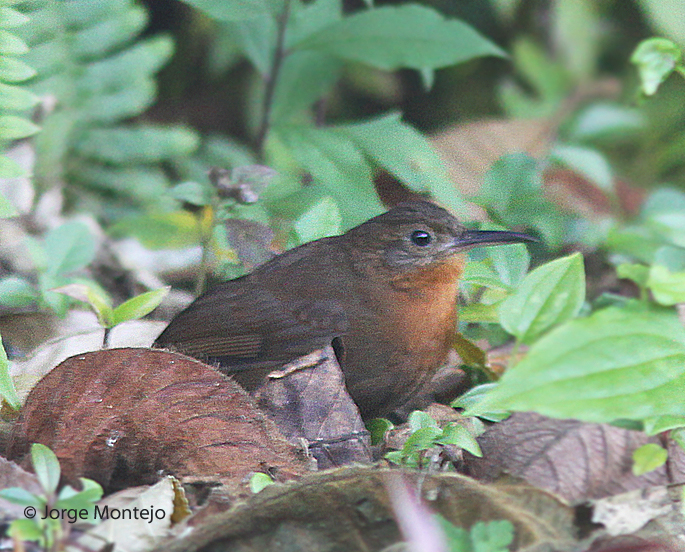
(421,439)
(636,272)
(378,427)
(172,230)
(139,306)
(305,77)
(237,10)
(193,193)
(26,530)
(337,165)
(587,162)
(482,273)
(455,434)
(458,539)
(15,128)
(668,288)
(473,396)
(510,179)
(656,59)
(256,37)
(406,153)
(493,536)
(17,495)
(419,419)
(670,256)
(658,424)
(479,313)
(510,262)
(407,36)
(607,121)
(69,247)
(619,363)
(95,297)
(550,295)
(9,169)
(259,481)
(46,466)
(7,390)
(307,19)
(648,458)
(321,220)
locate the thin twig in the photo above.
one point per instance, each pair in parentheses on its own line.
(272,77)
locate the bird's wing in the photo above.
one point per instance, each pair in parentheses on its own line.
(240,327)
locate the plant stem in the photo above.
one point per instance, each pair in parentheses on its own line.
(205,242)
(272,78)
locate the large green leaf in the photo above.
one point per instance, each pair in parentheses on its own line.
(618,363)
(550,295)
(410,36)
(69,247)
(236,10)
(405,152)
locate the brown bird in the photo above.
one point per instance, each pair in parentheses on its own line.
(384,293)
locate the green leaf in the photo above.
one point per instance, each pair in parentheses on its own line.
(13,70)
(458,539)
(493,536)
(607,121)
(587,162)
(636,272)
(656,59)
(69,247)
(473,396)
(172,230)
(305,77)
(12,18)
(419,419)
(7,389)
(11,44)
(321,220)
(46,466)
(659,424)
(550,295)
(421,439)
(511,178)
(668,288)
(237,10)
(259,481)
(337,165)
(648,458)
(26,530)
(510,262)
(307,19)
(193,193)
(15,128)
(408,36)
(143,144)
(17,495)
(455,434)
(406,153)
(139,306)
(619,363)
(378,427)
(256,37)
(16,98)
(94,296)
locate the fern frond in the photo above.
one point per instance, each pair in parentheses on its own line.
(99,74)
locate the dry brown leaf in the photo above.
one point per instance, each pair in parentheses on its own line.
(308,401)
(573,459)
(348,509)
(124,416)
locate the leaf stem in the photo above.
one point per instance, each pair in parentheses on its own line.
(272,78)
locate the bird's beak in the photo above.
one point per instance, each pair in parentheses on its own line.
(479,238)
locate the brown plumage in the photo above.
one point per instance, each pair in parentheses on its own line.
(385,294)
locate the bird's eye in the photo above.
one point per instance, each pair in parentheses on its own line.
(421,238)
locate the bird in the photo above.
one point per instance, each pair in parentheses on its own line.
(384,295)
